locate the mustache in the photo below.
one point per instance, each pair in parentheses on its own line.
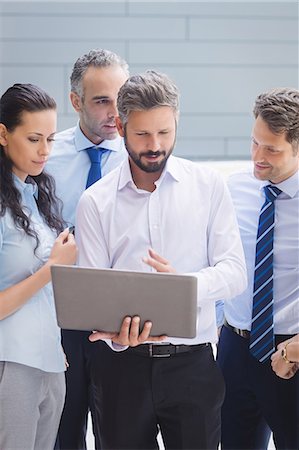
(152,153)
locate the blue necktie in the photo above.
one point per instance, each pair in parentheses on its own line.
(95,173)
(262,335)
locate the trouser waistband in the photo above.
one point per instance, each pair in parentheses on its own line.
(165,350)
(243,333)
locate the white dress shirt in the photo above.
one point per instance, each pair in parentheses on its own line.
(69,164)
(189,219)
(248,197)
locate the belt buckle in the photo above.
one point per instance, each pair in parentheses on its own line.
(152,355)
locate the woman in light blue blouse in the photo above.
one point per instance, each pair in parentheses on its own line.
(32,361)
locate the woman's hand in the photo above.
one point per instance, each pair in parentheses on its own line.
(64,250)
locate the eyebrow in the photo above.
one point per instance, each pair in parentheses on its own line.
(40,134)
(272,147)
(140,130)
(100,97)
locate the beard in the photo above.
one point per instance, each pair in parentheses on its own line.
(149,167)
(96,130)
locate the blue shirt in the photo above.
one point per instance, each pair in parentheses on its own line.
(30,336)
(69,164)
(248,197)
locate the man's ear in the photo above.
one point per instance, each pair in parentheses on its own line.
(3,135)
(76,101)
(119,126)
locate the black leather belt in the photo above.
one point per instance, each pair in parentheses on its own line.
(164,350)
(243,333)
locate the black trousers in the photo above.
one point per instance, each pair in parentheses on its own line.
(79,396)
(181,395)
(257,401)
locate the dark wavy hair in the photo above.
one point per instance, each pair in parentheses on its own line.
(16,100)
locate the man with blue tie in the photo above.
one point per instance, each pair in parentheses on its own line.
(267,204)
(82,155)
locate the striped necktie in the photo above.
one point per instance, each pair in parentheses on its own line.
(95,173)
(262,335)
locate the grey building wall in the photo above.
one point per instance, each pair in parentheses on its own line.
(220,54)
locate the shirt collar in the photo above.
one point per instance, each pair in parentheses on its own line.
(171,169)
(290,186)
(25,188)
(82,143)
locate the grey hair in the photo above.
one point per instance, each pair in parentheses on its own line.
(95,58)
(279,108)
(146,91)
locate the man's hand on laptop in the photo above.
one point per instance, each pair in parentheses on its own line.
(158,262)
(129,334)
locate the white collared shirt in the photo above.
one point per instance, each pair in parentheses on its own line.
(189,219)
(248,197)
(69,164)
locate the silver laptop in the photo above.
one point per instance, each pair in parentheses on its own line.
(99,299)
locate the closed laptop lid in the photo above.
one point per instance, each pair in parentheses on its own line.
(99,299)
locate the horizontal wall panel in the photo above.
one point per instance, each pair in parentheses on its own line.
(271,8)
(55,28)
(225,90)
(49,79)
(237,147)
(200,148)
(66,121)
(244,29)
(221,54)
(56,53)
(217,126)
(64,8)
(209,53)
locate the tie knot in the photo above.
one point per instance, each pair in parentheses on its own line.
(271,192)
(95,153)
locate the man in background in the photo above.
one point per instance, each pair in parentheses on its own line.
(81,155)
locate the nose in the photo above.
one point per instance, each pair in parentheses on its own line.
(257,152)
(153,143)
(45,148)
(112,111)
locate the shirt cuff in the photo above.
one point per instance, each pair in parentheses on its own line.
(114,346)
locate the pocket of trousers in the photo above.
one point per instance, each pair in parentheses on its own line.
(2,369)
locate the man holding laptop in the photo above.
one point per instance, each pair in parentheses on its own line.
(156,204)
